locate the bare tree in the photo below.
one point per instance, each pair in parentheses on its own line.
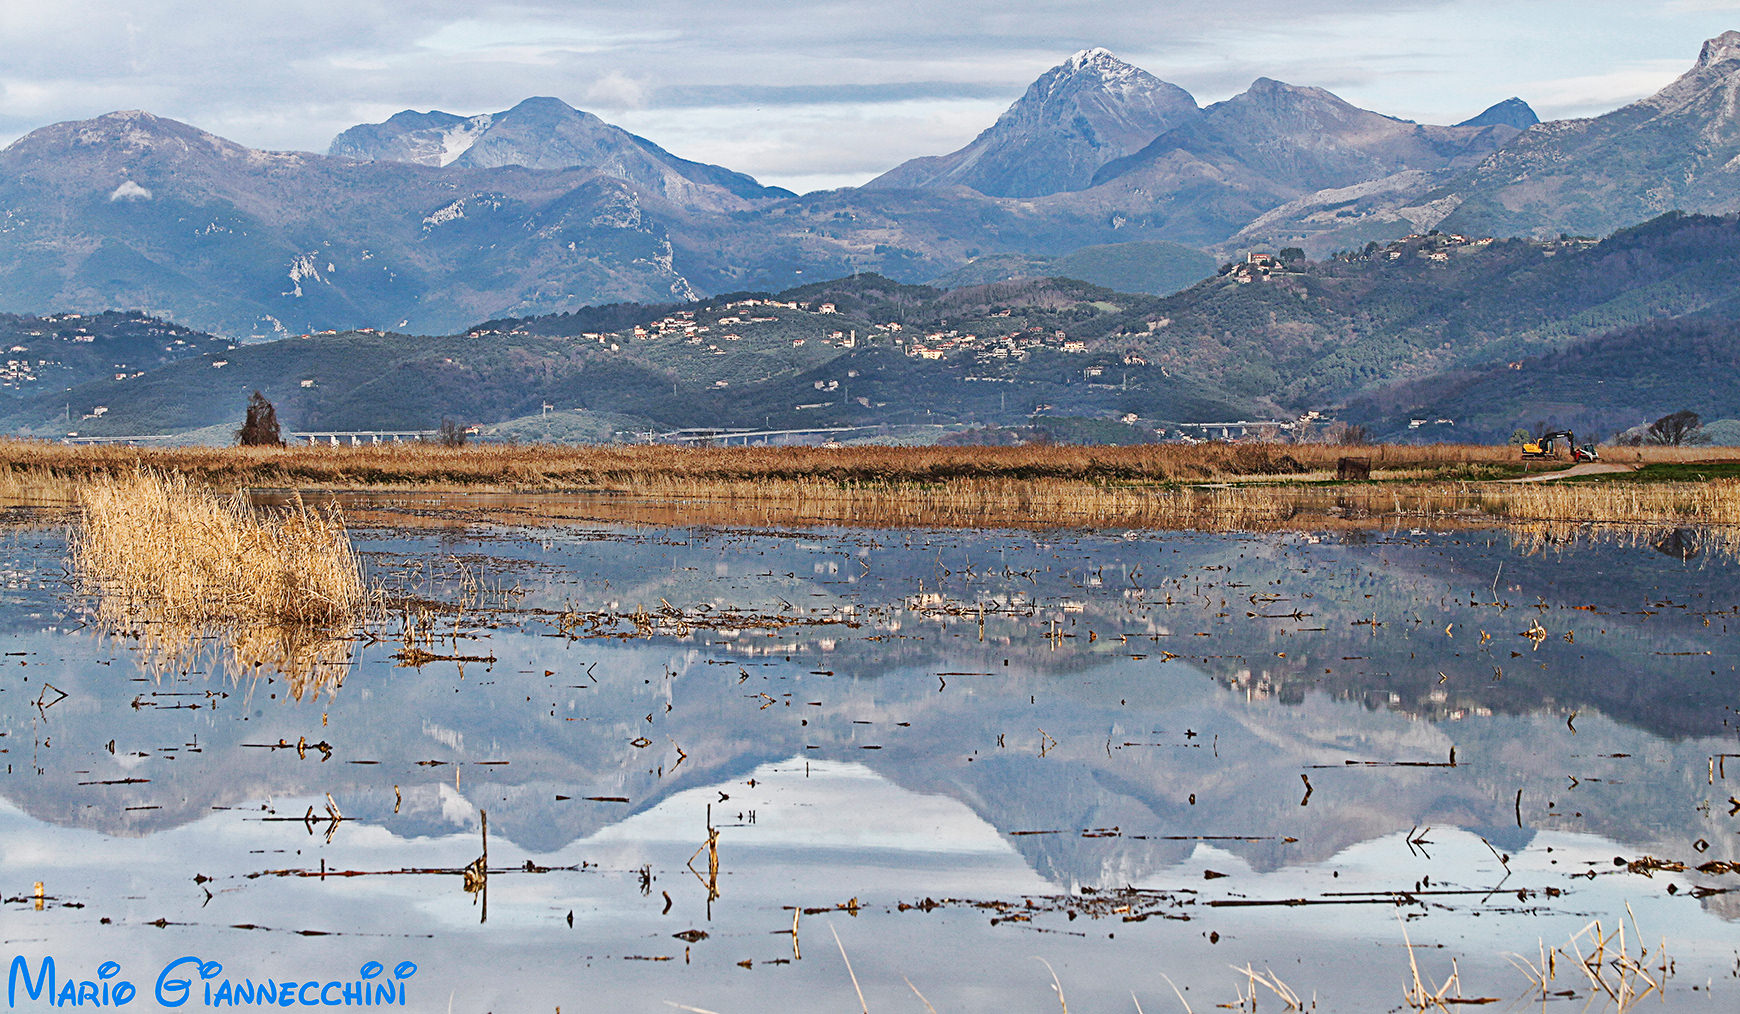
(1673,430)
(451,434)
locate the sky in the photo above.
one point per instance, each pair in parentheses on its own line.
(807,95)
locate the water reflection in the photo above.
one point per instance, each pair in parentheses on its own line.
(875,718)
(312,658)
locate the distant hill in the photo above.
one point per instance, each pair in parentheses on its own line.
(131,210)
(1155,267)
(1596,386)
(134,211)
(1676,149)
(431,221)
(829,354)
(46,356)
(1271,144)
(1318,333)
(1421,328)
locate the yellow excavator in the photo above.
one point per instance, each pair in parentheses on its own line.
(1548,447)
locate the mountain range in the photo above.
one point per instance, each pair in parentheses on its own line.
(431,221)
(553,226)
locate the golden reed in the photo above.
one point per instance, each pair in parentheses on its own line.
(1205,485)
(193,556)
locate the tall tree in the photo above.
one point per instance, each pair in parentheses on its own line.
(260,425)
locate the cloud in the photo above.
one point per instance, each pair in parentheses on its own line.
(839,86)
(713,96)
(1593,94)
(789,146)
(130,191)
(613,91)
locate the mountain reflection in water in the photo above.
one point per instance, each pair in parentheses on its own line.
(994,715)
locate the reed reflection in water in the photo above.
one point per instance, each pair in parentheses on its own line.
(198,580)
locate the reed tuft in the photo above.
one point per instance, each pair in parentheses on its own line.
(189,556)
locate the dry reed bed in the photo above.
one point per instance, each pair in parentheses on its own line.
(976,502)
(1713,502)
(1035,485)
(188,556)
(1049,503)
(605,467)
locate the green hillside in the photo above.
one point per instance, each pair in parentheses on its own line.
(714,365)
(47,355)
(1598,387)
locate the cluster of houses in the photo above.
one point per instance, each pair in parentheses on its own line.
(1017,345)
(703,328)
(1256,267)
(17,372)
(1433,246)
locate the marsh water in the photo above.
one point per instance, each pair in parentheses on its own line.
(589,764)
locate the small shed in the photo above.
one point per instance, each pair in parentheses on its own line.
(1354,469)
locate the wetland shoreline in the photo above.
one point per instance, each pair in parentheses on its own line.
(1209,486)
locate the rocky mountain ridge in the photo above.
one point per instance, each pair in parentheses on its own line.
(547,133)
(1077,116)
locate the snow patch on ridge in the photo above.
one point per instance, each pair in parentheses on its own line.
(130,191)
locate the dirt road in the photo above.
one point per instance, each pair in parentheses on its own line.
(1586,468)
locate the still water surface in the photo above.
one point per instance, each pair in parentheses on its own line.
(964,761)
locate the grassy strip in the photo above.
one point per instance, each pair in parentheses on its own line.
(1667,471)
